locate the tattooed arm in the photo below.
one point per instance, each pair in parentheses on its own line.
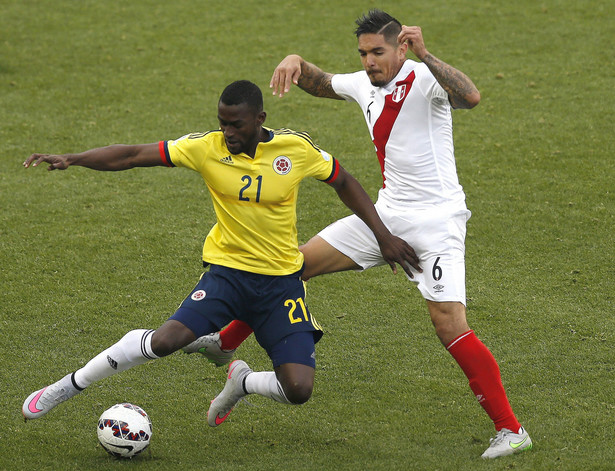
(462,93)
(293,69)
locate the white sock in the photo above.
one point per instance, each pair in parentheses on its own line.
(135,348)
(266,384)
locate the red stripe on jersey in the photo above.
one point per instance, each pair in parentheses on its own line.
(334,172)
(386,120)
(164,154)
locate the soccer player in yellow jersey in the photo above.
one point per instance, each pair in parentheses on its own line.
(253,175)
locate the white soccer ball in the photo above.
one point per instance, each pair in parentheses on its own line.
(124,430)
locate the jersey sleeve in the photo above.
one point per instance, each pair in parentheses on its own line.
(321,164)
(335,167)
(346,85)
(187,151)
(163,148)
(429,86)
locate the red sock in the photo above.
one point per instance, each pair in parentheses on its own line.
(234,334)
(483,373)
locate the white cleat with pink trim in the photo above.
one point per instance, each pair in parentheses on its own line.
(42,401)
(233,392)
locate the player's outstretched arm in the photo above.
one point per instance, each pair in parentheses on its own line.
(461,90)
(295,70)
(110,158)
(394,249)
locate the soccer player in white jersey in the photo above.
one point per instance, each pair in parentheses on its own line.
(407,109)
(253,175)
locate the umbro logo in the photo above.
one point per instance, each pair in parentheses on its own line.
(227,160)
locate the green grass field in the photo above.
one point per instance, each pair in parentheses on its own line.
(88,256)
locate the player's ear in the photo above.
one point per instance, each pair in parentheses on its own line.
(261,117)
(403,49)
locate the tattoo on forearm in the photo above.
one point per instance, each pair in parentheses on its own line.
(458,85)
(316,82)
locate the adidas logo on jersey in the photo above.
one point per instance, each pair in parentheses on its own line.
(227,160)
(112,362)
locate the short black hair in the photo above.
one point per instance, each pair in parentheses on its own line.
(379,22)
(243,91)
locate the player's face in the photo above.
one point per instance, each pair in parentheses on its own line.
(380,59)
(241,126)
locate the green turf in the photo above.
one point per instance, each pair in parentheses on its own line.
(87,256)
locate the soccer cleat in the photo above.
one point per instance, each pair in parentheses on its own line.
(507,442)
(42,401)
(233,391)
(210,346)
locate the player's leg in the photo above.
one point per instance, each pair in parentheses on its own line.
(291,382)
(441,244)
(449,320)
(135,348)
(483,373)
(234,334)
(296,381)
(475,360)
(285,328)
(322,258)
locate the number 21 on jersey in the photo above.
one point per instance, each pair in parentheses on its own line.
(248,183)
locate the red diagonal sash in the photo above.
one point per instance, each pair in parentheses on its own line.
(384,124)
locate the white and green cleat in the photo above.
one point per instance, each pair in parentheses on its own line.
(210,346)
(507,442)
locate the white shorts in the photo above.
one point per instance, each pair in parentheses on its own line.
(437,235)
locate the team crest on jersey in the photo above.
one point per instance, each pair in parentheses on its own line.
(198,295)
(282,165)
(399,93)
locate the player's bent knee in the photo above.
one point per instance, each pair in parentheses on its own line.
(162,346)
(298,392)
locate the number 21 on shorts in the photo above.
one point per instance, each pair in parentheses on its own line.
(302,316)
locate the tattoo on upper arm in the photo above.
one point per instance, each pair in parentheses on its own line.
(458,86)
(316,82)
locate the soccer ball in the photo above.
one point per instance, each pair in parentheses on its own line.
(124,430)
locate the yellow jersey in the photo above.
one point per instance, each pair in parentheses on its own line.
(254,199)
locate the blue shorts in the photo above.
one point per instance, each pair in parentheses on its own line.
(294,348)
(274,306)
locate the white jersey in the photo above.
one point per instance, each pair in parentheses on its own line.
(410,124)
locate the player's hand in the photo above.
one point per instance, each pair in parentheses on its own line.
(396,250)
(285,74)
(413,36)
(56,162)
